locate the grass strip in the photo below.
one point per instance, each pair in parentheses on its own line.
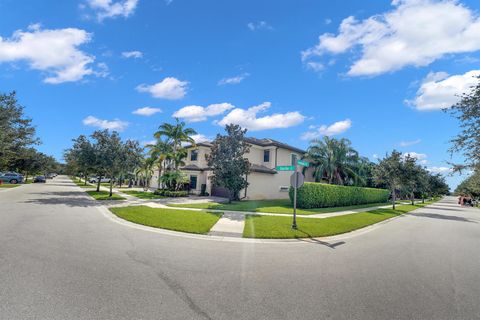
(274,227)
(104,195)
(143,194)
(282,206)
(9,186)
(199,222)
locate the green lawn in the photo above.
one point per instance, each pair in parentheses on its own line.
(7,186)
(143,194)
(275,227)
(81,183)
(179,220)
(103,195)
(282,206)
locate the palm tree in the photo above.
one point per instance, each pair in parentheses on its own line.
(176,134)
(334,161)
(145,170)
(162,151)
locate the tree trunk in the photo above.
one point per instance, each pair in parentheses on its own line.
(111,187)
(98,184)
(412,197)
(394,198)
(159,173)
(85,176)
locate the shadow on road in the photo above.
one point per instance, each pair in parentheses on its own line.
(443,217)
(68,198)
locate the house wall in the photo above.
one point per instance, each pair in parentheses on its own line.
(261,185)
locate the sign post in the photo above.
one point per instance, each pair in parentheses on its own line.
(296,181)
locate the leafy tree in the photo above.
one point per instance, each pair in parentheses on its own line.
(145,171)
(411,176)
(335,161)
(109,154)
(470,186)
(467,142)
(227,161)
(83,153)
(16,131)
(437,185)
(389,171)
(132,156)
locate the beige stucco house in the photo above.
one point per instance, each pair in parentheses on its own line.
(264,181)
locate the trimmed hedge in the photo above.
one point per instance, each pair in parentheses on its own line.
(170,193)
(320,195)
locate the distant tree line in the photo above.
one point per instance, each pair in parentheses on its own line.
(18,140)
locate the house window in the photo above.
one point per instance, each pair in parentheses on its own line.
(193,155)
(266,155)
(193,182)
(294,159)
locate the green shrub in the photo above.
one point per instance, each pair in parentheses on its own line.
(170,193)
(320,195)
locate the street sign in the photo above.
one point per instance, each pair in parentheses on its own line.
(303,163)
(285,168)
(297,183)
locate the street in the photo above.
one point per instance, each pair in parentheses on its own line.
(61,258)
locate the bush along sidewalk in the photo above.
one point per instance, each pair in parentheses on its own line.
(320,195)
(170,193)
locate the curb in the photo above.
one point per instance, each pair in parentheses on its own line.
(322,240)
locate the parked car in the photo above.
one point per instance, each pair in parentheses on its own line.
(50,175)
(102,180)
(11,177)
(39,179)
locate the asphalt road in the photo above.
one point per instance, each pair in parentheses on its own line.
(60,258)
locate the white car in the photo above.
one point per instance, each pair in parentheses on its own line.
(102,180)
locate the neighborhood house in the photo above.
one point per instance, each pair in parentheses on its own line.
(265,182)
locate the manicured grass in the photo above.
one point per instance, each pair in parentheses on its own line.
(275,227)
(81,183)
(8,186)
(143,194)
(282,206)
(103,195)
(171,219)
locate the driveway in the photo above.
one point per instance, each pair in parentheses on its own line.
(60,258)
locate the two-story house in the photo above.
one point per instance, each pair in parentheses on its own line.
(265,182)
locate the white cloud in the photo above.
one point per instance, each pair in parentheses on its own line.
(132,54)
(413,33)
(421,157)
(409,143)
(200,138)
(169,88)
(439,91)
(439,169)
(199,113)
(323,130)
(116,124)
(54,51)
(233,80)
(146,111)
(248,118)
(260,25)
(111,9)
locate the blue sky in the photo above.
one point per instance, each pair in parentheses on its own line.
(375,72)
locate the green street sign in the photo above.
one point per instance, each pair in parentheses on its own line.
(285,168)
(303,163)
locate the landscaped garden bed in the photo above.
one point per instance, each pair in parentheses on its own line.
(104,195)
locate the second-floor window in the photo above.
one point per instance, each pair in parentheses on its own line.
(266,155)
(193,155)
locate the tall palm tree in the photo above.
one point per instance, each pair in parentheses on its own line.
(176,134)
(334,161)
(162,151)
